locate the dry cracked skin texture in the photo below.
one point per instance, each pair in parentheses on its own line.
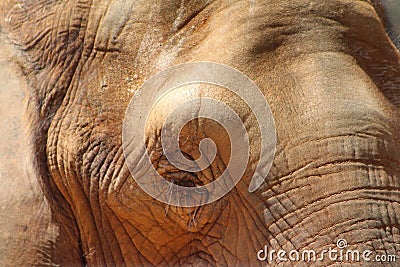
(331,76)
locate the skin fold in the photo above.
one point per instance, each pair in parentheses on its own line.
(328,69)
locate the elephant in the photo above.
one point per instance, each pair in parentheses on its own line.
(329,71)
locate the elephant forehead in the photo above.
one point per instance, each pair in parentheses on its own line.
(159,31)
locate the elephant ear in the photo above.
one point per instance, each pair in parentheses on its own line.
(49,37)
(29,235)
(392,11)
(36,56)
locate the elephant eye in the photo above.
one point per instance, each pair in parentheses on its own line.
(392,10)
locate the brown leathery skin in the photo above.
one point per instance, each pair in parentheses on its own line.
(327,68)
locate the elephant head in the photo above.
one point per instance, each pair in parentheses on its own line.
(328,69)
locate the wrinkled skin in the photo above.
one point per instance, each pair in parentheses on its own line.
(327,68)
